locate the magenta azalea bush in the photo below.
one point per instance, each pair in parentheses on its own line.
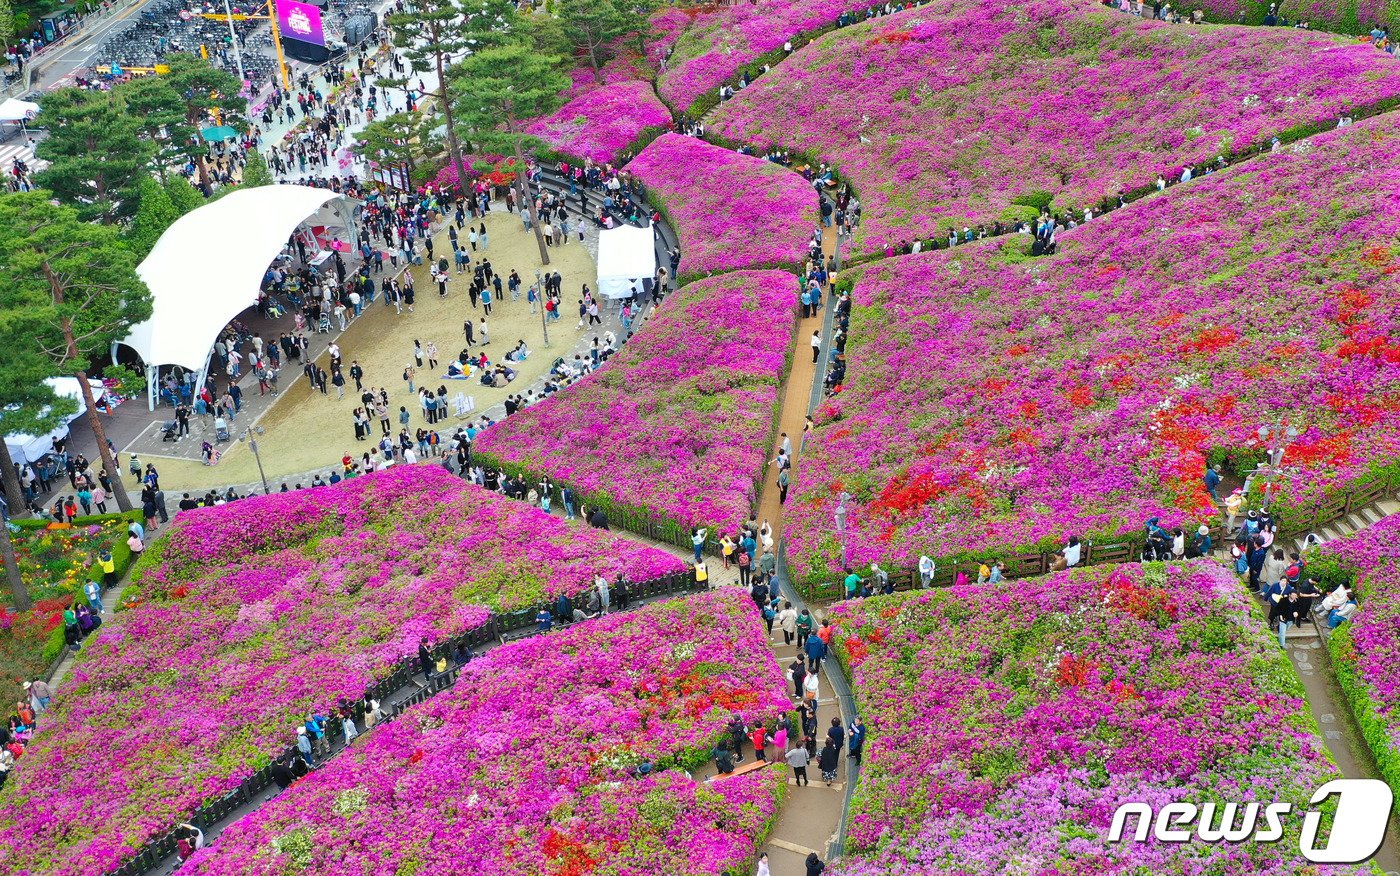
(527,766)
(996,403)
(1363,650)
(678,422)
(253,614)
(721,41)
(601,121)
(1007,723)
(953,113)
(731,211)
(1342,16)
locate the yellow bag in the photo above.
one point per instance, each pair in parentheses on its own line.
(442,664)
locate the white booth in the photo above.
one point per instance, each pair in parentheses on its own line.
(626,258)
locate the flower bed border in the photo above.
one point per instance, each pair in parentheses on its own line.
(501,627)
(1036,559)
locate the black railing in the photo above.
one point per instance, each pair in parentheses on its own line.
(498,628)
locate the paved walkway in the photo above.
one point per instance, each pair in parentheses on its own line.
(797,392)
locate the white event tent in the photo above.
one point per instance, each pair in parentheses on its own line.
(16,110)
(626,258)
(27,448)
(208,267)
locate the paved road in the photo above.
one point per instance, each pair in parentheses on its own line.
(77,51)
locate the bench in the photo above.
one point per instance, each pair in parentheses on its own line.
(751,766)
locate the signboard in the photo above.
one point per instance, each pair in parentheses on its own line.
(394,176)
(300,21)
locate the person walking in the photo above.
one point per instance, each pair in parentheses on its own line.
(797,759)
(816,650)
(783,482)
(787,620)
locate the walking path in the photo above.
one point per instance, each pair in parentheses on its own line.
(797,392)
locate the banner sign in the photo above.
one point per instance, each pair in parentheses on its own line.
(300,21)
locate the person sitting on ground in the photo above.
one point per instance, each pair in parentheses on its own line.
(518,354)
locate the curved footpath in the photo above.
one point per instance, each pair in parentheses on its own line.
(812,818)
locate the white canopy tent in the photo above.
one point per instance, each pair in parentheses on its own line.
(28,448)
(208,267)
(16,110)
(626,258)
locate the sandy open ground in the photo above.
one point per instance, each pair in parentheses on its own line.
(305,430)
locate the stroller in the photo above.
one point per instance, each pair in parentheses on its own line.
(168,431)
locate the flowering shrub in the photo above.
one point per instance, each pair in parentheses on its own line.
(525,766)
(730,210)
(722,40)
(996,403)
(678,421)
(253,614)
(601,121)
(1341,16)
(55,561)
(1363,650)
(959,112)
(1007,723)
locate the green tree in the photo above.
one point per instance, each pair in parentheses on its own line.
(396,139)
(210,96)
(182,194)
(155,214)
(255,172)
(7,23)
(160,115)
(28,406)
(496,91)
(97,154)
(430,34)
(71,289)
(593,26)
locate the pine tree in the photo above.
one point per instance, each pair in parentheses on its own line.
(69,289)
(155,214)
(497,91)
(96,153)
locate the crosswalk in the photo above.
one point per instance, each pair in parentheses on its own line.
(19,148)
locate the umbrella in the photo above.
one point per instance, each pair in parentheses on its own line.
(222,132)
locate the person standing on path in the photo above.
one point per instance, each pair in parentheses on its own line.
(816,346)
(697,540)
(425,659)
(787,619)
(827,761)
(798,760)
(797,671)
(784,480)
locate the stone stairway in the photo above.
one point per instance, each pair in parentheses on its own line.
(1362,518)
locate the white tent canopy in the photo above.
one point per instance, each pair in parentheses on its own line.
(27,448)
(16,110)
(208,267)
(626,257)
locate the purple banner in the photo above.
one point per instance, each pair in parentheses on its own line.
(300,21)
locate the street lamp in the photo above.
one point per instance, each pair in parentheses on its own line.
(840,515)
(253,446)
(1274,440)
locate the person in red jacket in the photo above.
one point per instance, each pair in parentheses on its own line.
(759,737)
